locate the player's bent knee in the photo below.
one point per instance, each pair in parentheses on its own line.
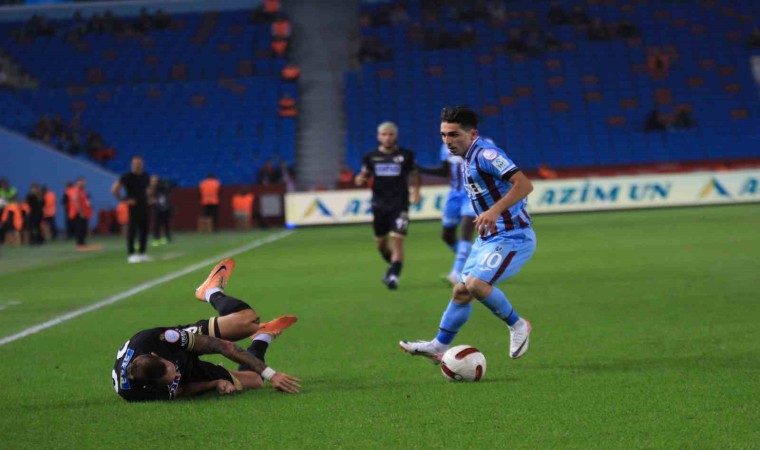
(477,287)
(460,294)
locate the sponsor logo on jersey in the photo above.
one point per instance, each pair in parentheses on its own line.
(123,378)
(387,170)
(473,189)
(502,164)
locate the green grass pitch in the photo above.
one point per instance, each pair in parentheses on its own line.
(646,334)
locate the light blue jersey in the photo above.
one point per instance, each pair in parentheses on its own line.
(486,171)
(457,204)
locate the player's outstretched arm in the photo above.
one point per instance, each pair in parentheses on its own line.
(223,387)
(441,171)
(209,345)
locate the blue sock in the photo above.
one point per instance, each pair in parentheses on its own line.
(453,318)
(499,305)
(463,251)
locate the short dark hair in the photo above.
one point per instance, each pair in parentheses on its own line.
(463,115)
(147,368)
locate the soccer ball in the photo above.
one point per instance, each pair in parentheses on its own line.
(463,363)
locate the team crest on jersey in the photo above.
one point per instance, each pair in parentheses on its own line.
(490,154)
(398,159)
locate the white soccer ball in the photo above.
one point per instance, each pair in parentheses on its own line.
(463,363)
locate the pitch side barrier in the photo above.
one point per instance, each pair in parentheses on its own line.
(552,196)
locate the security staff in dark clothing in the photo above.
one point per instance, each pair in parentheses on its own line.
(140,190)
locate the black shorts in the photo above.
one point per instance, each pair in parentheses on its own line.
(394,221)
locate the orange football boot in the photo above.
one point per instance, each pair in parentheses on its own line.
(276,326)
(218,278)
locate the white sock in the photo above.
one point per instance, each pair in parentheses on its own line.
(263,337)
(209,292)
(440,347)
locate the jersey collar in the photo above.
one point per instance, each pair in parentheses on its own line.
(472,147)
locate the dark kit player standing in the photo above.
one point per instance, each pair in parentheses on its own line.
(390,167)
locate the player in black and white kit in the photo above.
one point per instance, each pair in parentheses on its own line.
(391,168)
(162,363)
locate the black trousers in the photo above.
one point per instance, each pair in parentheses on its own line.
(213,212)
(35,229)
(138,223)
(161,223)
(79,224)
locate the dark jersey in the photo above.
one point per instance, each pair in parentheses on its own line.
(173,344)
(390,190)
(136,187)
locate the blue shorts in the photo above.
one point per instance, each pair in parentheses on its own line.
(501,256)
(457,205)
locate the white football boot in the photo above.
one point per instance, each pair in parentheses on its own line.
(519,337)
(423,348)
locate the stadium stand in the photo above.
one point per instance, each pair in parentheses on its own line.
(201,90)
(553,89)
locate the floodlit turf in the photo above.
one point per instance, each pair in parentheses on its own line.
(646,335)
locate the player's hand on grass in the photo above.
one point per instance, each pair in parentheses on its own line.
(486,222)
(285,383)
(224,387)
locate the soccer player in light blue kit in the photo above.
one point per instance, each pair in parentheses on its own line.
(498,191)
(457,210)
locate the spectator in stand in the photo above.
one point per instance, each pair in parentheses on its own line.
(754,38)
(286,106)
(655,121)
(497,12)
(49,210)
(209,189)
(515,43)
(468,38)
(162,20)
(163,209)
(551,43)
(627,30)
(268,174)
(683,119)
(290,72)
(399,15)
(578,16)
(658,65)
(556,15)
(34,219)
(598,31)
(143,22)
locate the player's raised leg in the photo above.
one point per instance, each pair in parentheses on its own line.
(236,318)
(258,348)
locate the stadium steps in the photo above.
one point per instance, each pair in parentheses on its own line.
(320,141)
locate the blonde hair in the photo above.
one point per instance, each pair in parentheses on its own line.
(387,126)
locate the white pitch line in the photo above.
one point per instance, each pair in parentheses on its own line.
(137,289)
(10,303)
